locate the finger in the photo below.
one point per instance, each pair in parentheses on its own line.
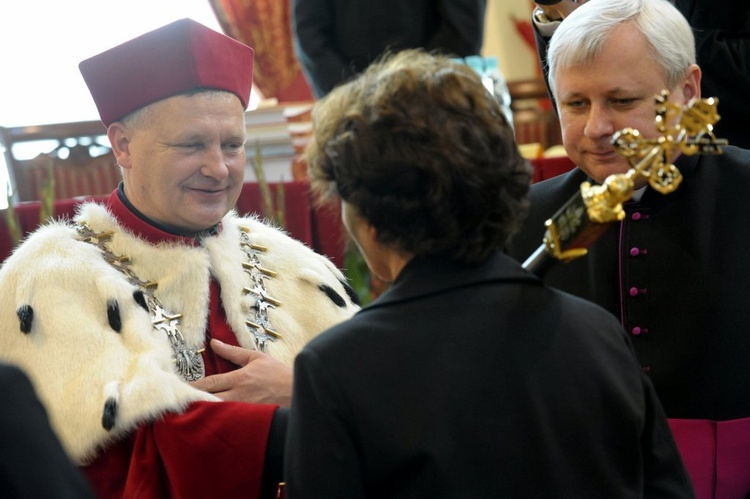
(237,355)
(213,384)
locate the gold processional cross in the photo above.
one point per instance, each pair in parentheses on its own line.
(580,221)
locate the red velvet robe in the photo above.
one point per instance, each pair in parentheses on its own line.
(212,449)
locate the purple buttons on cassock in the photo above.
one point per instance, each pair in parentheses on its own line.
(637,331)
(634,291)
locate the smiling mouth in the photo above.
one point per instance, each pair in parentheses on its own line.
(207,191)
(603,155)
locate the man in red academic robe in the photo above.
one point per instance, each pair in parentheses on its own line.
(159,328)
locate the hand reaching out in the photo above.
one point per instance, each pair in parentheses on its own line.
(260,378)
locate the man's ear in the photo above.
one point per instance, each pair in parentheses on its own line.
(691,88)
(119,139)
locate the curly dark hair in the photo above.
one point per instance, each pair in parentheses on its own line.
(422,151)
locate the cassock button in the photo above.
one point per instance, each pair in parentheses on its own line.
(636,216)
(634,251)
(636,331)
(633,291)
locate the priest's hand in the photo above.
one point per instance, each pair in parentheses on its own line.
(260,379)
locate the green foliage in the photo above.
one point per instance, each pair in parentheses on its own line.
(47,209)
(279,213)
(272,207)
(356,271)
(11,218)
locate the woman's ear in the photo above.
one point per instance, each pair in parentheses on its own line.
(372,233)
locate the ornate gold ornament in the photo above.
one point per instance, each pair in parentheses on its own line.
(687,129)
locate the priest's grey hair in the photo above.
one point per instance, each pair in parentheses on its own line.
(581,36)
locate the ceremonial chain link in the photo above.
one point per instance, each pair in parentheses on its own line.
(258,325)
(188,361)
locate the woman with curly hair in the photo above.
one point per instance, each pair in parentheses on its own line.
(468,377)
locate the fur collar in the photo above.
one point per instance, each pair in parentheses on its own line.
(100,378)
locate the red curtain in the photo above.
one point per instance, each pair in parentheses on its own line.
(265,26)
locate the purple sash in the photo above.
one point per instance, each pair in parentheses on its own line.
(716,455)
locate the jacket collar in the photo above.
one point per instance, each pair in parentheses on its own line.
(424,276)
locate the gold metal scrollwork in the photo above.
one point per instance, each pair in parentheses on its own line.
(682,129)
(687,129)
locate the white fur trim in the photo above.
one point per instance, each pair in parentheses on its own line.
(78,362)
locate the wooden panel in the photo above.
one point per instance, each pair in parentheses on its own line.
(534,117)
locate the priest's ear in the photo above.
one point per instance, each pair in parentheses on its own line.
(691,86)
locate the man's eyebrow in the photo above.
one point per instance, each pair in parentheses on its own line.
(572,95)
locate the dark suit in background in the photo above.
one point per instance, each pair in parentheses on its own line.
(477,381)
(33,464)
(336,39)
(722,39)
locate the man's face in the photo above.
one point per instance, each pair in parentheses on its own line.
(615,90)
(185,165)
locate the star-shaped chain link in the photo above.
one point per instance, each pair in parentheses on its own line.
(188,361)
(259,325)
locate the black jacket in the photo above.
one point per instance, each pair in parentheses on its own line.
(477,382)
(33,464)
(677,273)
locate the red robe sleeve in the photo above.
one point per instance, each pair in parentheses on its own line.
(212,449)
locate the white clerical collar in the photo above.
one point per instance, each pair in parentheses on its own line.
(638,194)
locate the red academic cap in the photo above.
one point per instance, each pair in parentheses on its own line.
(171,60)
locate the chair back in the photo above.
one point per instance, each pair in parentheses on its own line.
(71,160)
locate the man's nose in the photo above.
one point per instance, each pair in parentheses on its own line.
(599,123)
(215,164)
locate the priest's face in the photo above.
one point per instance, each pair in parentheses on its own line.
(615,90)
(183,159)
